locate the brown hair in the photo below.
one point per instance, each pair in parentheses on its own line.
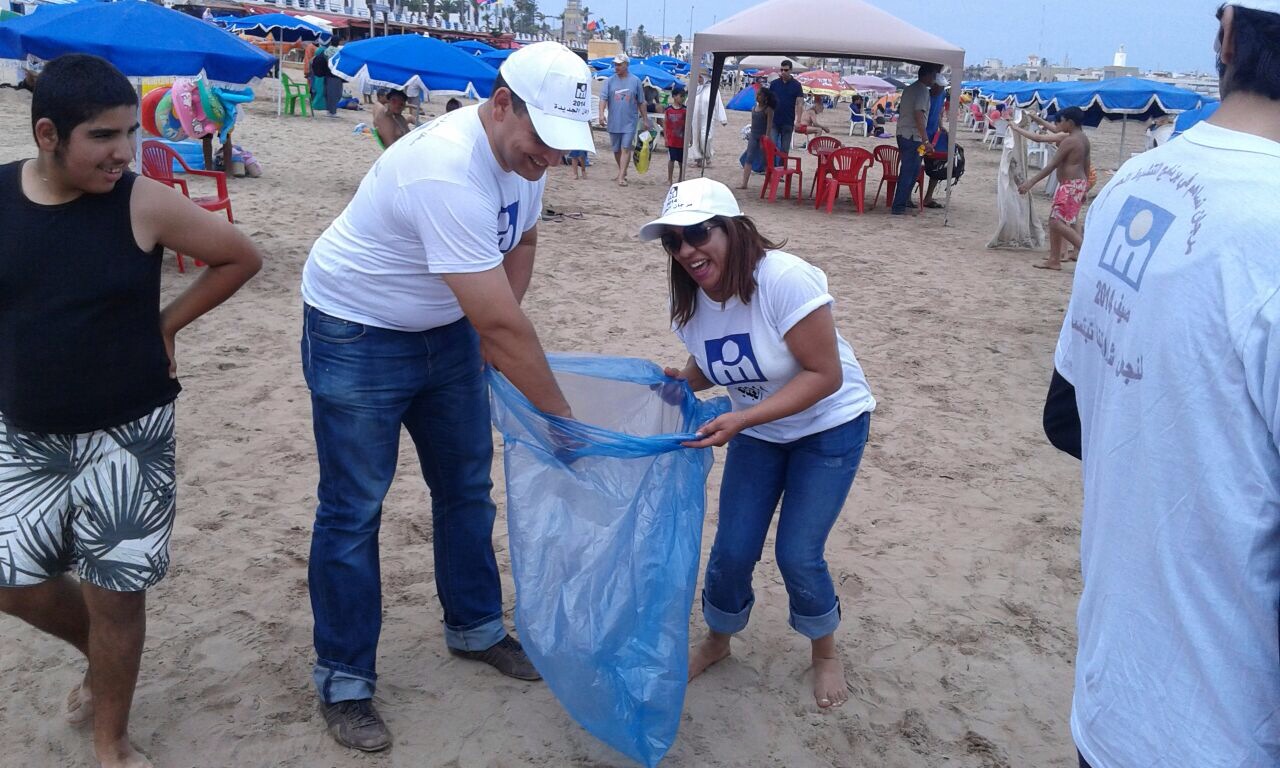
(745,250)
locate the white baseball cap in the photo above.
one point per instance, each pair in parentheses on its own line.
(1266,6)
(621,58)
(555,84)
(692,202)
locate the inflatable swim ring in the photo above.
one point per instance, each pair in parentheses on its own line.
(230,101)
(167,124)
(147,110)
(209,102)
(186,105)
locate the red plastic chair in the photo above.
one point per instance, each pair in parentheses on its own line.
(157,163)
(775,172)
(979,118)
(816,145)
(888,158)
(847,168)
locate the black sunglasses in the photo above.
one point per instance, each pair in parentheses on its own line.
(695,235)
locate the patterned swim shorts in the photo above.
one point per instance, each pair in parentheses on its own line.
(101,503)
(1068,199)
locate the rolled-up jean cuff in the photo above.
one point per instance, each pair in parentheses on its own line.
(722,621)
(814,627)
(338,682)
(478,638)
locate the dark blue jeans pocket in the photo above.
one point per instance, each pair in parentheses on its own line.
(333,330)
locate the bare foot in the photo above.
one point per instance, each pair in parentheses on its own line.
(1053,265)
(741,186)
(122,755)
(829,687)
(80,703)
(715,647)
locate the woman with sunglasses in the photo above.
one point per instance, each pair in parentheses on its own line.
(758,321)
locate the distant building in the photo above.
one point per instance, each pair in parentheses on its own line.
(573,22)
(992,64)
(1120,71)
(1121,59)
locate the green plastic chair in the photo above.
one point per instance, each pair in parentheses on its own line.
(296,95)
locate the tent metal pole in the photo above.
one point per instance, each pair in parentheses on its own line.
(954,99)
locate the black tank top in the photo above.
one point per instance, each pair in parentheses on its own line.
(80,341)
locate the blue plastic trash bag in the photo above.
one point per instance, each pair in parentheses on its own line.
(605,518)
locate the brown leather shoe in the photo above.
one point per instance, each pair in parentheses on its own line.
(356,724)
(506,656)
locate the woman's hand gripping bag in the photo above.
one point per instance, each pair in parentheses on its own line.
(605,518)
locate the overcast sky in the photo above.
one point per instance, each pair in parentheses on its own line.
(1157,34)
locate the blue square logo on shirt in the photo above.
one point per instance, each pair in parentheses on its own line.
(731,360)
(1133,240)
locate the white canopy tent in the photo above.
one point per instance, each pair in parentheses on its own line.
(847,29)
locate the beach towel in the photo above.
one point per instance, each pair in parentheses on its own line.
(605,516)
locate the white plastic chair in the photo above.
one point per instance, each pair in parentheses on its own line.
(1038,152)
(996,133)
(857,121)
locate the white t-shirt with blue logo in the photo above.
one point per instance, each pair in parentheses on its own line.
(741,347)
(1172,341)
(436,202)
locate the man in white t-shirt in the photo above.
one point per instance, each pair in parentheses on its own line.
(424,269)
(1167,382)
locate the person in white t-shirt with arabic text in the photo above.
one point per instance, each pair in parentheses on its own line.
(1167,385)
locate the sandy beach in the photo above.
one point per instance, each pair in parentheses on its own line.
(956,558)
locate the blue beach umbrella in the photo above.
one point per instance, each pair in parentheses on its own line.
(141,39)
(1039,93)
(496,57)
(604,62)
(277,26)
(414,62)
(670,63)
(658,78)
(473,47)
(1126,98)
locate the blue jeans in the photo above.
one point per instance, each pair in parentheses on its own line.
(908,169)
(781,136)
(366,382)
(812,477)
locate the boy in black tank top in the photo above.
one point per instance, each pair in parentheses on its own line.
(88,380)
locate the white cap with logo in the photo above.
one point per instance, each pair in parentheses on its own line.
(691,202)
(555,84)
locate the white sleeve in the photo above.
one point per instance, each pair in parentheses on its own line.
(533,207)
(457,225)
(1260,353)
(793,295)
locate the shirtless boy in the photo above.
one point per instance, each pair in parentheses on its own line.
(389,120)
(1072,164)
